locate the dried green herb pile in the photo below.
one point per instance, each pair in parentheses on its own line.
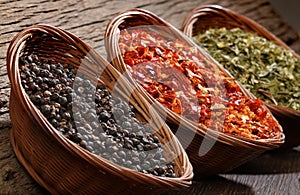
(269,71)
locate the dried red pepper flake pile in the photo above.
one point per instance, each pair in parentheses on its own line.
(178,76)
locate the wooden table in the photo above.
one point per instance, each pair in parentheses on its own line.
(275,172)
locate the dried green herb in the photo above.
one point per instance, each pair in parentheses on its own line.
(269,71)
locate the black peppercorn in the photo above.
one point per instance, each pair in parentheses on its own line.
(91,117)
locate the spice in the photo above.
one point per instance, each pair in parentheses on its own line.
(89,116)
(269,71)
(178,77)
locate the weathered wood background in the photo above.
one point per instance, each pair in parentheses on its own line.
(271,173)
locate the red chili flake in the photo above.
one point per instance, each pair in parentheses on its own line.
(178,77)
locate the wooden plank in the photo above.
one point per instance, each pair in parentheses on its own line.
(271,173)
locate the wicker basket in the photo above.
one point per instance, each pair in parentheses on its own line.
(227,151)
(55,162)
(210,16)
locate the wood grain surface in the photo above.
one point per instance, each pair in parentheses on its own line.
(276,172)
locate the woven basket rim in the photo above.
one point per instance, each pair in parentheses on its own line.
(201,11)
(12,58)
(110,41)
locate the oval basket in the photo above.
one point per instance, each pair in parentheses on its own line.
(214,16)
(209,151)
(55,162)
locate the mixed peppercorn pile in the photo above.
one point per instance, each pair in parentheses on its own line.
(89,116)
(178,77)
